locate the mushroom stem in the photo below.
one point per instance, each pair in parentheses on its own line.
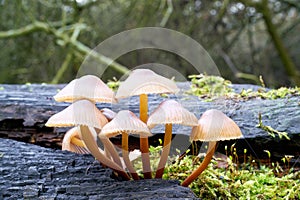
(110,150)
(91,144)
(125,155)
(144,145)
(165,151)
(107,153)
(209,154)
(77,142)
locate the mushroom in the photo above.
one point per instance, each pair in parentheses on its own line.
(169,112)
(91,88)
(88,87)
(86,115)
(143,82)
(108,113)
(125,122)
(73,143)
(213,126)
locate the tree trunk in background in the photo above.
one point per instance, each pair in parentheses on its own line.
(288,64)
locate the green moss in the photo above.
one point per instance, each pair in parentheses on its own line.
(246,182)
(271,131)
(213,87)
(113,84)
(209,87)
(228,179)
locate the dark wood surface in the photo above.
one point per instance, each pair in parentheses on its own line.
(32,172)
(28,171)
(24,109)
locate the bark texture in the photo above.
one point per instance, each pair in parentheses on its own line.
(32,172)
(26,108)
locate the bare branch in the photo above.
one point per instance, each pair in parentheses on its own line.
(34,27)
(45,27)
(235,71)
(62,69)
(167,14)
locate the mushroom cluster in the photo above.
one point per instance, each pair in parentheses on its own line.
(91,126)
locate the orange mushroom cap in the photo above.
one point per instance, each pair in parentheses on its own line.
(145,81)
(171,112)
(214,125)
(125,121)
(86,87)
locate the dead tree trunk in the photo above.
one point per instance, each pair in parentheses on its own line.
(26,108)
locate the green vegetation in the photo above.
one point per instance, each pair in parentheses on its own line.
(209,87)
(113,84)
(213,87)
(47,41)
(271,131)
(232,182)
(226,178)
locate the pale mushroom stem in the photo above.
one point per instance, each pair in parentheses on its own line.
(165,151)
(107,154)
(93,148)
(110,149)
(209,154)
(125,155)
(144,145)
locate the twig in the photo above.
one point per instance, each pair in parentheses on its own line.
(63,68)
(235,71)
(45,27)
(167,14)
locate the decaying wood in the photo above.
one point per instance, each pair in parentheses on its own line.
(33,172)
(26,108)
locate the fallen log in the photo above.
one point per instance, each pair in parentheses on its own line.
(32,172)
(26,108)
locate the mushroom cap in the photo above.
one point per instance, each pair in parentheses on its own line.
(145,81)
(108,113)
(214,125)
(171,112)
(86,87)
(125,121)
(69,146)
(82,112)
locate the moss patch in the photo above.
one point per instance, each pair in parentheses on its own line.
(214,87)
(243,181)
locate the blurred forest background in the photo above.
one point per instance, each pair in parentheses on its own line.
(46,41)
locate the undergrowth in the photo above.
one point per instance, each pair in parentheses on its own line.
(231,182)
(225,178)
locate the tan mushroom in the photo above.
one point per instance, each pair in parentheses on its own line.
(124,123)
(88,87)
(87,116)
(108,113)
(169,112)
(72,142)
(91,88)
(143,82)
(213,126)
